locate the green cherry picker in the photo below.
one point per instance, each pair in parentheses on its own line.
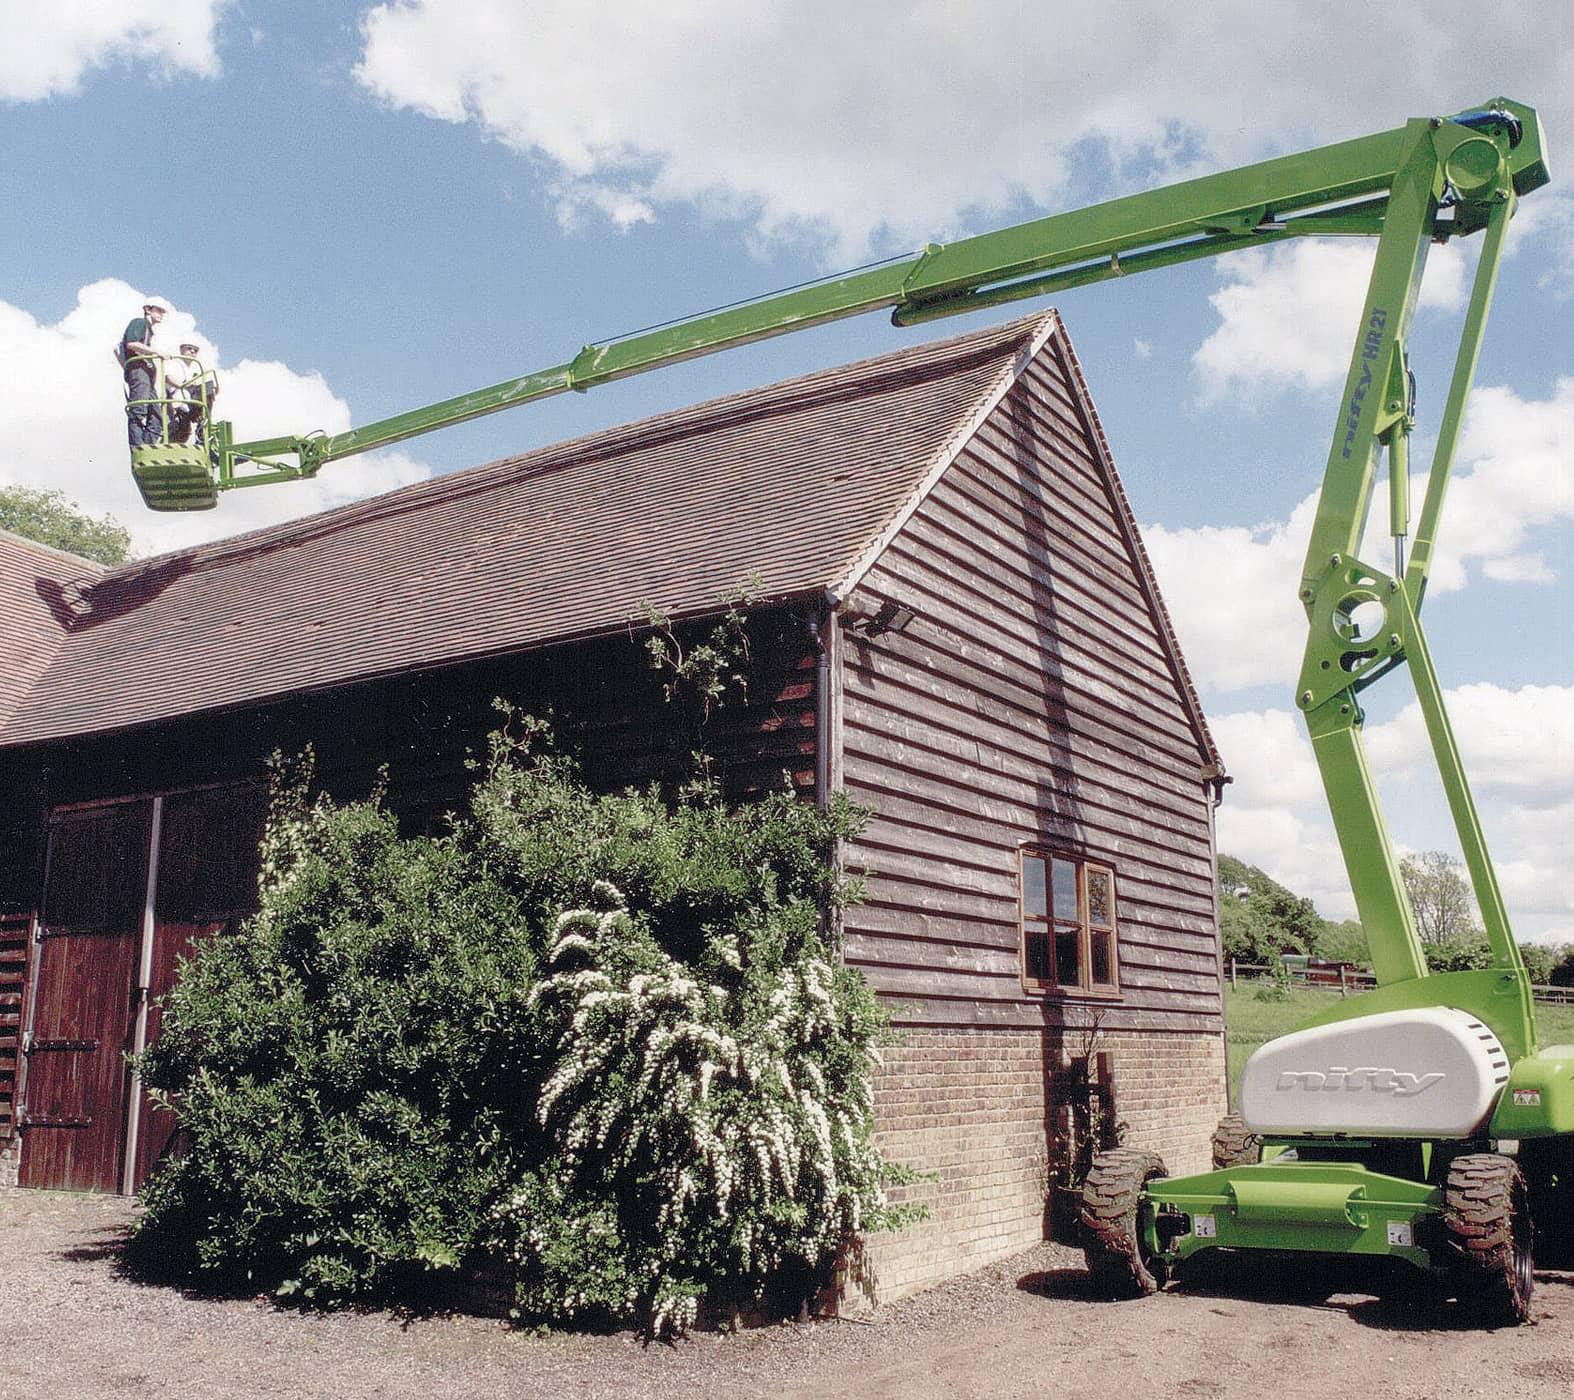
(1419,1121)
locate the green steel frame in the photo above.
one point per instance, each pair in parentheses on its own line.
(1427,181)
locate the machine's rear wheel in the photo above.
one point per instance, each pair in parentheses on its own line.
(1234,1144)
(1120,1262)
(1488,1233)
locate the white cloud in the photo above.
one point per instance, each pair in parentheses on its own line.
(1518,743)
(1518,451)
(46,50)
(1268,757)
(1287,314)
(1538,880)
(67,431)
(1232,594)
(1296,848)
(1232,590)
(1518,747)
(842,121)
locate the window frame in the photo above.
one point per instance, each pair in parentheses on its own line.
(1044,926)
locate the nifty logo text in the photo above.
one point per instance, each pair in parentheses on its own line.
(1370,347)
(1400,1083)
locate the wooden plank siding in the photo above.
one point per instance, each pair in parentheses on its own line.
(1034,700)
(605,701)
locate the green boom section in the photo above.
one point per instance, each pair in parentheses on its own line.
(1260,203)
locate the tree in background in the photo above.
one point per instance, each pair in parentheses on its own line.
(51,518)
(1541,958)
(1562,974)
(1345,942)
(1444,909)
(1260,919)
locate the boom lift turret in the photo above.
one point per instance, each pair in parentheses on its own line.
(1415,1121)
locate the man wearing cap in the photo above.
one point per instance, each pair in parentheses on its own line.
(191,393)
(139,360)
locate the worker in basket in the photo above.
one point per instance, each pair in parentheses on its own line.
(191,392)
(139,361)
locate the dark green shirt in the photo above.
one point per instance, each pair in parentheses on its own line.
(139,330)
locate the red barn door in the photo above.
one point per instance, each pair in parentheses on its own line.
(85,1009)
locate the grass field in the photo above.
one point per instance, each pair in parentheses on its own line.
(1251,1021)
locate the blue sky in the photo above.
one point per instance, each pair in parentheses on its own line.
(357,209)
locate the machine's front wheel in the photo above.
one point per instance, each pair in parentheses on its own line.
(1234,1144)
(1118,1257)
(1488,1233)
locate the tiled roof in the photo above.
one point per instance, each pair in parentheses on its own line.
(790,484)
(39,590)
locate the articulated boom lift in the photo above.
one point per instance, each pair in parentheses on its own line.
(1417,1121)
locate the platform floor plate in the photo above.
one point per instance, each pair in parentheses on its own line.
(174,477)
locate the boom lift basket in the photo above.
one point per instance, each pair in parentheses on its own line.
(171,474)
(174,476)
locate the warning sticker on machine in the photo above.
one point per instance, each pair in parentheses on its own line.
(1527,1098)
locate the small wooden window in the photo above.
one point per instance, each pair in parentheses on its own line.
(1068,925)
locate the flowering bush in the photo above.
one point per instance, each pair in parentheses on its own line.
(601,1042)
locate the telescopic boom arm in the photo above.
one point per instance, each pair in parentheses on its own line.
(1427,181)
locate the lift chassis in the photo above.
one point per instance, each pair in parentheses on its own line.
(1419,1121)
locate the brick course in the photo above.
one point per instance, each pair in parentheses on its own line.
(969,1108)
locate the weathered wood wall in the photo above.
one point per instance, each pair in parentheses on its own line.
(606,701)
(1033,700)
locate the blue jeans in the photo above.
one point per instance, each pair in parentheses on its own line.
(144,421)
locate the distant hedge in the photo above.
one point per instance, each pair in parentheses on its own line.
(598,1043)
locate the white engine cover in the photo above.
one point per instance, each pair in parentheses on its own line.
(1435,1072)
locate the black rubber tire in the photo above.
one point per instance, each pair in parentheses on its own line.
(1234,1144)
(1111,1198)
(1488,1237)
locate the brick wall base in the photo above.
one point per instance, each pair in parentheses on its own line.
(971,1110)
(10,1161)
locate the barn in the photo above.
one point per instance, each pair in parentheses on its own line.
(951,617)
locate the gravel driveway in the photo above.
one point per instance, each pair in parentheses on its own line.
(71,1326)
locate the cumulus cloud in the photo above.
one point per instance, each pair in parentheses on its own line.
(1518,747)
(1538,877)
(1269,758)
(889,120)
(67,430)
(1518,483)
(1232,593)
(1287,314)
(1232,590)
(1296,847)
(46,50)
(1516,743)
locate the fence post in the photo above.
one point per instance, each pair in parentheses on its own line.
(1344,991)
(1232,974)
